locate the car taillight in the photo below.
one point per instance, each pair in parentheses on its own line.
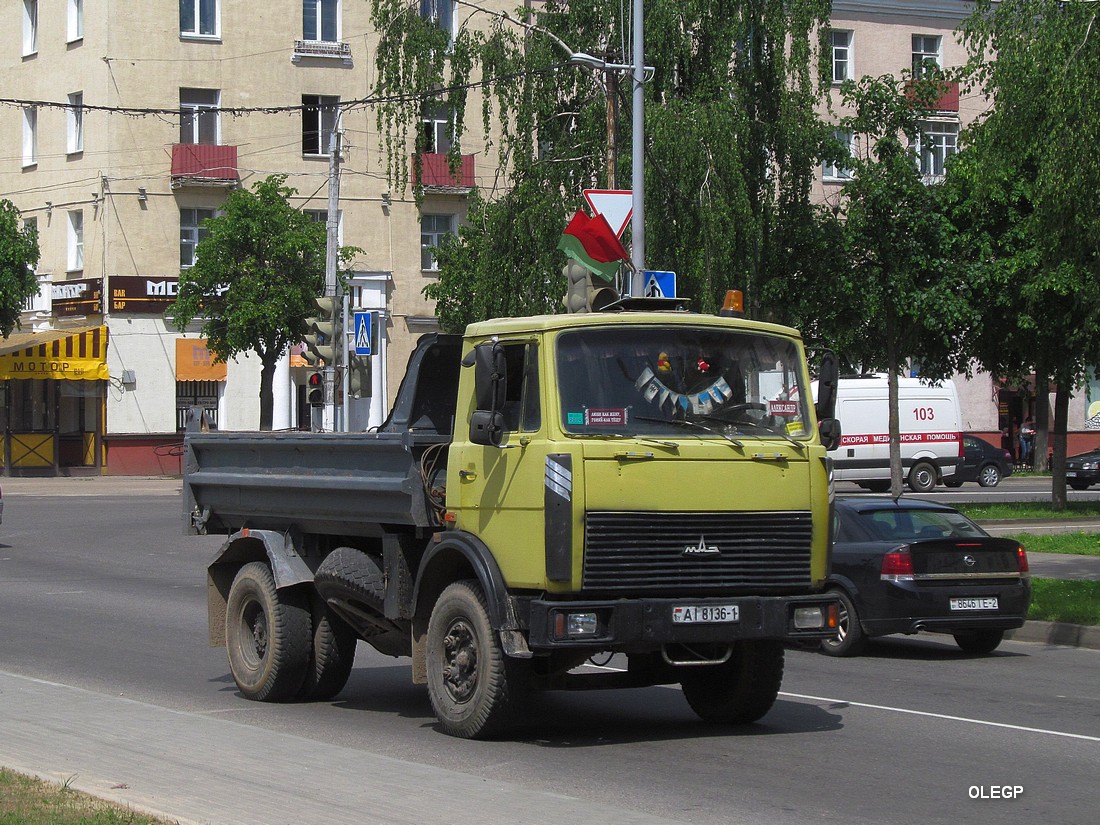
(897,566)
(1021,558)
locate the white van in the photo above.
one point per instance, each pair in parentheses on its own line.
(929,423)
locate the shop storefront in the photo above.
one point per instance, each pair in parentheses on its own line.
(54,386)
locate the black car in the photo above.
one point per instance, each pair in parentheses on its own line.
(982,462)
(907,565)
(1083,469)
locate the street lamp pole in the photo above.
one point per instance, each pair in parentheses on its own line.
(637,184)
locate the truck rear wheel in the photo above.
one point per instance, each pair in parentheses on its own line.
(738,691)
(353,584)
(474,688)
(267,634)
(333,654)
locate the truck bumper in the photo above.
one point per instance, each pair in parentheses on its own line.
(649,623)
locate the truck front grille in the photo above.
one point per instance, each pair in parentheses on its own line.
(675,552)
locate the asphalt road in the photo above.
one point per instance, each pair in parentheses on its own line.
(105,675)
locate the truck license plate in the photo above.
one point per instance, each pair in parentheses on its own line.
(986,603)
(705,614)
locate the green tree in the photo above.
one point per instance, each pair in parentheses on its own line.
(18,258)
(908,297)
(255,276)
(731,141)
(1031,184)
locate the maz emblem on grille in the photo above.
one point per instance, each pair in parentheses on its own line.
(702,549)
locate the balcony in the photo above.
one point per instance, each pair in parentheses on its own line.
(949,100)
(204,164)
(436,175)
(324,49)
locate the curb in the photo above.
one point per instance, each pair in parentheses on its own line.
(1058,634)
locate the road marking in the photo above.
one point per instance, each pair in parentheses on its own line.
(942,716)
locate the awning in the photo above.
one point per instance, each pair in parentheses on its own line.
(195,361)
(73,354)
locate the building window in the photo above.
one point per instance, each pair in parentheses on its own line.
(937,141)
(203,394)
(30,27)
(321,20)
(433,228)
(437,129)
(842,56)
(199,18)
(318,121)
(199,116)
(76,240)
(30,135)
(834,170)
(191,232)
(75,29)
(926,51)
(440,12)
(74,123)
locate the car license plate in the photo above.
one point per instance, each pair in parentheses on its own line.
(705,614)
(1071,474)
(985,603)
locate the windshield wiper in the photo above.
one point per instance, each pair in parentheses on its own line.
(683,422)
(797,444)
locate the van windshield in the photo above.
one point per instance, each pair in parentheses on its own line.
(698,382)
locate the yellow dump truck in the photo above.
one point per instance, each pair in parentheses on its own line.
(545,490)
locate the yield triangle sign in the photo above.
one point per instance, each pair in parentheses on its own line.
(616,205)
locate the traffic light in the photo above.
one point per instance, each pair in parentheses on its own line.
(315,389)
(359,382)
(583,295)
(322,332)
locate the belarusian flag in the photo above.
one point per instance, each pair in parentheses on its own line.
(592,243)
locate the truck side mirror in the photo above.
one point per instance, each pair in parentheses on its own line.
(829,431)
(828,380)
(490,387)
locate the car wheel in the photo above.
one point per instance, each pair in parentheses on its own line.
(989,476)
(877,486)
(979,641)
(849,639)
(952,484)
(1079,485)
(922,478)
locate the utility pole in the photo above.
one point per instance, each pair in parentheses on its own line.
(637,183)
(333,288)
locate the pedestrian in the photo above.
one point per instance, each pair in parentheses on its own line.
(1027,441)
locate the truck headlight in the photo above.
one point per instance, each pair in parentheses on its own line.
(809,618)
(575,625)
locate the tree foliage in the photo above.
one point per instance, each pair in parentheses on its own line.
(255,276)
(1025,193)
(731,141)
(18,258)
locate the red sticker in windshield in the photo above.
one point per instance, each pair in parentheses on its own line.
(785,408)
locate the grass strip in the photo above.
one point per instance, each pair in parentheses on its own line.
(25,800)
(1029,509)
(1073,544)
(1057,600)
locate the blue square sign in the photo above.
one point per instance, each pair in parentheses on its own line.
(658,284)
(361,333)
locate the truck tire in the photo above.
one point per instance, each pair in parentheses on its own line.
(267,634)
(353,585)
(333,654)
(740,690)
(475,690)
(922,478)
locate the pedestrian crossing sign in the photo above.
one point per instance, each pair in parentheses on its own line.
(659,284)
(362,333)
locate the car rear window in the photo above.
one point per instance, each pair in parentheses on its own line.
(907,525)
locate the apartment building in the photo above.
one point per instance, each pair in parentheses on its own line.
(126,125)
(878,38)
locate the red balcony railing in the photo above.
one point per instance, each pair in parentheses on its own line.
(949,100)
(435,173)
(204,163)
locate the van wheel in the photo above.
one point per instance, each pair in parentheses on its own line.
(922,478)
(876,486)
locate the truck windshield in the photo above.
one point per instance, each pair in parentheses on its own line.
(684,381)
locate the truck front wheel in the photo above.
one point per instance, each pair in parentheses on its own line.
(268,635)
(474,688)
(740,690)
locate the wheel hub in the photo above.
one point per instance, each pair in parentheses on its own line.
(460,654)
